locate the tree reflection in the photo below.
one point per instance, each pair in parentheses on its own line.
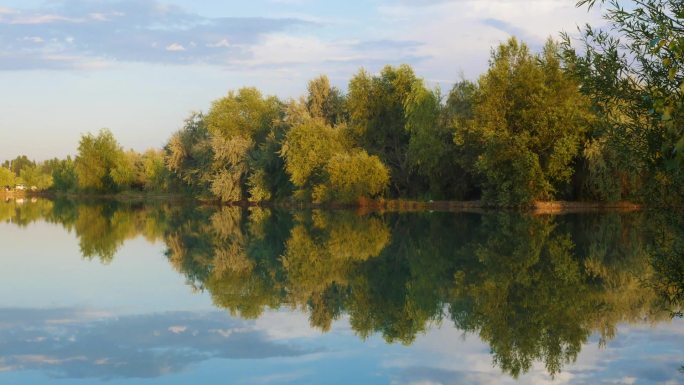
(533,287)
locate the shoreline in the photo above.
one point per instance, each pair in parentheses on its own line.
(363,206)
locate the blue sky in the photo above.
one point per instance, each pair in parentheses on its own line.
(139,67)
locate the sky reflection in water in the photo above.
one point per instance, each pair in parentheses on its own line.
(172,294)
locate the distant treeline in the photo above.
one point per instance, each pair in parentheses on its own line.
(602,123)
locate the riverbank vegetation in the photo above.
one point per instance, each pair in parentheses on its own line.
(597,121)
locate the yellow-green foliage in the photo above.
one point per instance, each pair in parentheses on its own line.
(101,163)
(351,175)
(154,172)
(377,120)
(7,177)
(188,154)
(324,101)
(231,153)
(307,149)
(326,169)
(528,121)
(245,112)
(258,187)
(243,127)
(323,255)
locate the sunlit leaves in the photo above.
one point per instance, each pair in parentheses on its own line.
(528,119)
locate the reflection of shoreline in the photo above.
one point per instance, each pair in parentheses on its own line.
(363,206)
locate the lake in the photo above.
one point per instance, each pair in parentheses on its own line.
(107,292)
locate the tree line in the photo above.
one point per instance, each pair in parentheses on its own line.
(599,122)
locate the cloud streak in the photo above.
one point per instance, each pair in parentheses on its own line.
(95,34)
(77,34)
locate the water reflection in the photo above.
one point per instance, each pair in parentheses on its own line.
(73,343)
(534,288)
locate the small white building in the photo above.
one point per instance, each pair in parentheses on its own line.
(20,187)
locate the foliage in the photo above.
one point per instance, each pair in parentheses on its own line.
(432,152)
(7,178)
(64,176)
(603,125)
(632,71)
(378,120)
(101,164)
(243,127)
(232,154)
(33,176)
(152,171)
(526,128)
(350,176)
(17,164)
(321,163)
(307,149)
(188,154)
(325,102)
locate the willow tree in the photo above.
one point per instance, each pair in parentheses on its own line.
(101,162)
(35,176)
(377,116)
(324,166)
(633,70)
(64,175)
(244,128)
(188,154)
(432,153)
(7,177)
(325,101)
(527,123)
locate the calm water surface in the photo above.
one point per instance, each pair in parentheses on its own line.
(175,294)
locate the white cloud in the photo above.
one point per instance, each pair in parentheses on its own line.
(219,44)
(177,329)
(33,39)
(175,47)
(104,16)
(43,19)
(457,36)
(283,325)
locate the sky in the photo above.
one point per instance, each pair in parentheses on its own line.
(139,67)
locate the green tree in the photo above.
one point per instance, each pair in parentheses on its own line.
(377,113)
(457,113)
(633,72)
(101,164)
(19,163)
(528,121)
(153,169)
(64,176)
(326,168)
(307,149)
(33,176)
(432,152)
(7,178)
(188,155)
(244,126)
(350,176)
(325,102)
